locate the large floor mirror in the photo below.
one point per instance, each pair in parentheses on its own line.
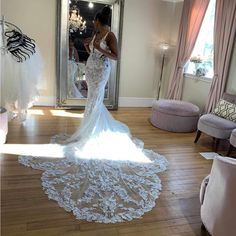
(75,23)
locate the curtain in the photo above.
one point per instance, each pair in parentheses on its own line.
(224,36)
(191,20)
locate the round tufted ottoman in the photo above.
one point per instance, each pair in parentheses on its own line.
(174,115)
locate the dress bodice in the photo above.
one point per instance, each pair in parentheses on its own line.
(103,44)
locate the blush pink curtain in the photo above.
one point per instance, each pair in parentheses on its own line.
(224,36)
(192,16)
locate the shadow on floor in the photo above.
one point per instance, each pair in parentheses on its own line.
(190,208)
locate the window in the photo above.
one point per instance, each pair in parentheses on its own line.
(201,60)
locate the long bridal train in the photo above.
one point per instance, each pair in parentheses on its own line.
(107,179)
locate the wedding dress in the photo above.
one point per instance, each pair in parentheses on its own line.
(106,175)
(73,73)
(72,90)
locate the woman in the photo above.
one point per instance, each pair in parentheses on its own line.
(106,175)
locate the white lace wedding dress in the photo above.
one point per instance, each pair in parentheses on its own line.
(106,176)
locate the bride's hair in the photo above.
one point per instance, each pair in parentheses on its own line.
(104,15)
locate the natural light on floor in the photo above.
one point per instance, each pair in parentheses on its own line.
(35,112)
(42,150)
(64,113)
(108,145)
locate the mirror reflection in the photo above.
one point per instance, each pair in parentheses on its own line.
(80,27)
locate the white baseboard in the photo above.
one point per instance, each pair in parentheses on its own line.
(46,101)
(135,102)
(123,101)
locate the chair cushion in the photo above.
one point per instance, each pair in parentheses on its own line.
(226,110)
(176,107)
(216,126)
(217,122)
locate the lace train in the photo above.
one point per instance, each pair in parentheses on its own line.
(104,191)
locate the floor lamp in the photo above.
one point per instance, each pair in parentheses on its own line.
(163,48)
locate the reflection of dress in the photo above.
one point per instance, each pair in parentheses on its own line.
(106,175)
(73,68)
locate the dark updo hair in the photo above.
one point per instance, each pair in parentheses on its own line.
(104,15)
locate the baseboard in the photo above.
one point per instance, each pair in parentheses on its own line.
(135,102)
(46,101)
(123,101)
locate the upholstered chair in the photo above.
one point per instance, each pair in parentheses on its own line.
(215,126)
(217,197)
(232,141)
(3,125)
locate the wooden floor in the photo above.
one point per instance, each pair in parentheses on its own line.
(26,210)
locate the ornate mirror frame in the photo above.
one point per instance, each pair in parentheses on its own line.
(62,55)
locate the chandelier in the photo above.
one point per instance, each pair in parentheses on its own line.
(76,21)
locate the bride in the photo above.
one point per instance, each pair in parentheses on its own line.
(105,175)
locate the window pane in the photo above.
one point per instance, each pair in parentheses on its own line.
(201,60)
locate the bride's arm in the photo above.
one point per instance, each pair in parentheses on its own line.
(86,43)
(112,44)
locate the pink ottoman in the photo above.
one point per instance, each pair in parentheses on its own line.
(174,115)
(3,125)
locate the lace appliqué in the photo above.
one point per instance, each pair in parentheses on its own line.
(103,191)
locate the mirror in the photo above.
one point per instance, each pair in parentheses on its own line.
(75,23)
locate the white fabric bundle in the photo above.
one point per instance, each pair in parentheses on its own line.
(19,81)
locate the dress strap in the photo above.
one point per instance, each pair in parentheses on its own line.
(93,38)
(104,38)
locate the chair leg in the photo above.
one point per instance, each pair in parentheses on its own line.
(204,231)
(217,141)
(230,150)
(197,136)
(203,227)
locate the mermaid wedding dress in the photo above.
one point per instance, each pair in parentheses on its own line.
(106,175)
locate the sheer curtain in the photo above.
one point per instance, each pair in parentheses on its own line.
(192,16)
(224,36)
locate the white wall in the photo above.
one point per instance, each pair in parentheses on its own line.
(146,24)
(170,14)
(196,91)
(140,37)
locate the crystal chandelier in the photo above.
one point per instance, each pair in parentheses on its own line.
(76,21)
